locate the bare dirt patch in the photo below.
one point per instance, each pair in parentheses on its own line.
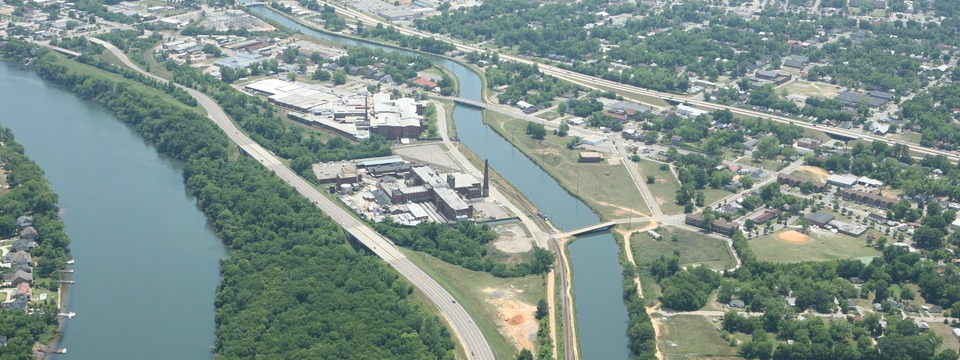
(815,170)
(511,239)
(519,325)
(793,236)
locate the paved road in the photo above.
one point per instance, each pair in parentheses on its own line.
(638,179)
(634,92)
(463,326)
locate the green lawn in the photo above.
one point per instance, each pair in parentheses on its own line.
(691,335)
(819,247)
(664,186)
(945,332)
(911,137)
(605,187)
(548,115)
(467,287)
(811,89)
(694,248)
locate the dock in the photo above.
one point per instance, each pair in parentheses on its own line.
(68,315)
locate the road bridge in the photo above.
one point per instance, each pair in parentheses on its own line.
(588,229)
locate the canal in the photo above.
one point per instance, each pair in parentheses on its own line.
(147,263)
(601,314)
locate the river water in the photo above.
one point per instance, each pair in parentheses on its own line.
(597,279)
(147,261)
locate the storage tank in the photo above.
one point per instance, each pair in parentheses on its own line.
(345,189)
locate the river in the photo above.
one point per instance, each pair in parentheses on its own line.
(597,279)
(147,261)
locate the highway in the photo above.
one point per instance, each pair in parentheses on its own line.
(631,91)
(463,326)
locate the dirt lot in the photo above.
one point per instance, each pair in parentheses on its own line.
(821,173)
(519,325)
(512,239)
(429,153)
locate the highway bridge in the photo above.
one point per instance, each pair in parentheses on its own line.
(466,330)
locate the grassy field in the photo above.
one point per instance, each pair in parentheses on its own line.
(694,248)
(691,335)
(811,89)
(911,137)
(467,287)
(946,332)
(548,115)
(820,247)
(605,187)
(664,186)
(812,176)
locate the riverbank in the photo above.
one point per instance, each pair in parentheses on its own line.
(607,188)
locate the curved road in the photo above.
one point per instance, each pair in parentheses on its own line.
(469,334)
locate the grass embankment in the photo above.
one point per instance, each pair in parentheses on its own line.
(819,246)
(607,188)
(476,291)
(84,69)
(694,248)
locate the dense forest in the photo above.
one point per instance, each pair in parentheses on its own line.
(293,286)
(29,194)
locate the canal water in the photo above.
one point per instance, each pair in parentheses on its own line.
(147,262)
(597,279)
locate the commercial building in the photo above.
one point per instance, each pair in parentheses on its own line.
(842,180)
(451,205)
(719,225)
(809,143)
(846,228)
(689,111)
(238,61)
(396,118)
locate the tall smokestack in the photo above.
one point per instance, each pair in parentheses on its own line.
(486,178)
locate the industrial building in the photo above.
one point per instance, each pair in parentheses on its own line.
(351,114)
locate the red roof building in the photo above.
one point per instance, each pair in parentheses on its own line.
(424,82)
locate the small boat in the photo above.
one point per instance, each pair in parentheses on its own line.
(71,262)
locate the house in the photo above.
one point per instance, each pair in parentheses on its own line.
(856,281)
(737,304)
(28,233)
(935,309)
(757,174)
(923,326)
(18,303)
(851,304)
(676,139)
(24,221)
(792,301)
(18,277)
(16,258)
(751,144)
(589,157)
(23,245)
(842,180)
(24,289)
(3,341)
(956,333)
(796,61)
(820,219)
